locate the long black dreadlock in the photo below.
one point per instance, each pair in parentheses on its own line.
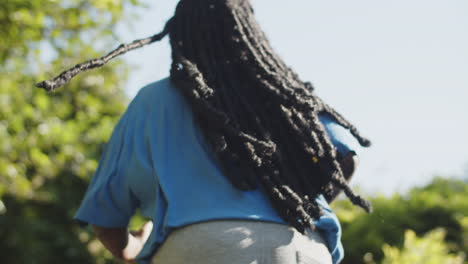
(261,120)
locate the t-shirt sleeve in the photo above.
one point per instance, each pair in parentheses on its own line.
(109,201)
(124,178)
(340,136)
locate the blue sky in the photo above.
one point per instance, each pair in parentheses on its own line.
(397,69)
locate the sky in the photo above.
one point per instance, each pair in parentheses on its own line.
(397,69)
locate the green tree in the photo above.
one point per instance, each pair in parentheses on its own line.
(440,204)
(50,143)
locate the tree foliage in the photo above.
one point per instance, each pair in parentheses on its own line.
(440,204)
(429,249)
(50,143)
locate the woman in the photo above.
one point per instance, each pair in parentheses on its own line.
(233,158)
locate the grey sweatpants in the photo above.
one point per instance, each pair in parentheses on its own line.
(242,242)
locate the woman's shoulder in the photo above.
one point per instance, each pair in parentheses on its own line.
(155,90)
(161,93)
(340,136)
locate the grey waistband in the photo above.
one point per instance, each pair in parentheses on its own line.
(242,242)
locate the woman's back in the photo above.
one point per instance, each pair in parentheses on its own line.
(158,160)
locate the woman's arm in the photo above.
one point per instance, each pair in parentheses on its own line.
(121,243)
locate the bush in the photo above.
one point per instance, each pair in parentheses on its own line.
(440,204)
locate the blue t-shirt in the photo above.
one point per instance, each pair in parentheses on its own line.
(158,161)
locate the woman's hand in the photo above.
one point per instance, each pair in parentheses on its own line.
(139,237)
(121,243)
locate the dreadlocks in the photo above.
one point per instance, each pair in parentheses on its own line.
(261,120)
